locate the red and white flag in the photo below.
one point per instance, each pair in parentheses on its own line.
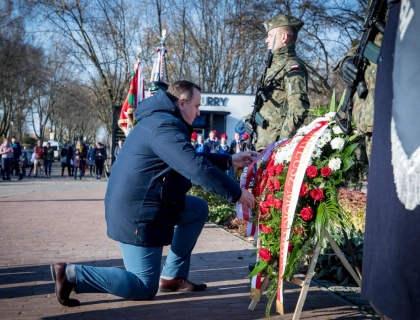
(135,95)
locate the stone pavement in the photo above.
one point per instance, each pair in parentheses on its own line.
(44,221)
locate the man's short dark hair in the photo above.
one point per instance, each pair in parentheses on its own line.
(292,32)
(182,87)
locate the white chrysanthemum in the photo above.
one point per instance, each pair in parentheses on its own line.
(280,156)
(330,115)
(337,143)
(337,130)
(326,137)
(321,143)
(334,164)
(316,153)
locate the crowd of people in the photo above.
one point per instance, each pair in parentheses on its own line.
(75,157)
(215,145)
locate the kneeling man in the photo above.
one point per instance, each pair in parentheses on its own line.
(146,198)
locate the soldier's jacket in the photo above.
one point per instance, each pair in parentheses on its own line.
(363,108)
(286,87)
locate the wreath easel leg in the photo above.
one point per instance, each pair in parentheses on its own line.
(256,297)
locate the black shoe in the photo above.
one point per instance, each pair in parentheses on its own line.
(20,176)
(63,287)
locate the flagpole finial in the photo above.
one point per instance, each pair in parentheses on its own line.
(163,38)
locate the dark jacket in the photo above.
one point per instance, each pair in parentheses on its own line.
(100,154)
(91,156)
(210,145)
(146,191)
(17,150)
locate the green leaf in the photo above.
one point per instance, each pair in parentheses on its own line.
(339,178)
(332,104)
(353,137)
(321,220)
(291,261)
(262,264)
(342,99)
(349,150)
(347,163)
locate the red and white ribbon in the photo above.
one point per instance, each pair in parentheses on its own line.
(296,172)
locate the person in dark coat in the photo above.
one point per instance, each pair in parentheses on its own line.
(146,198)
(211,143)
(91,158)
(17,152)
(391,278)
(100,158)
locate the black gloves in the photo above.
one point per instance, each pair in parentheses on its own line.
(348,71)
(248,127)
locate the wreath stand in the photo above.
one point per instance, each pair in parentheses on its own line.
(305,283)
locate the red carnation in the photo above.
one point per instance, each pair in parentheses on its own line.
(306,214)
(276,184)
(264,208)
(271,171)
(303,190)
(266,229)
(311,172)
(278,204)
(317,194)
(326,172)
(279,169)
(270,185)
(270,199)
(264,254)
(290,248)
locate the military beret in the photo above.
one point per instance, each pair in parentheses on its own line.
(282,20)
(156,85)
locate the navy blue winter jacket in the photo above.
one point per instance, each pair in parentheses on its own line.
(153,172)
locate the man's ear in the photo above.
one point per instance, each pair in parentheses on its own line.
(181,103)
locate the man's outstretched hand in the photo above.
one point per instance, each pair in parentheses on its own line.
(247,198)
(242,159)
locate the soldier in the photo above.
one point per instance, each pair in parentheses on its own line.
(362,112)
(286,83)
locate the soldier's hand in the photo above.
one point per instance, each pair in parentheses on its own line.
(247,198)
(348,71)
(249,129)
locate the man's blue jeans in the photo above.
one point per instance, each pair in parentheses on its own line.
(140,280)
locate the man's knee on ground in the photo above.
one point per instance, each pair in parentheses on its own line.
(145,294)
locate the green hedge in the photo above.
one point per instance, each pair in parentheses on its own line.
(219,210)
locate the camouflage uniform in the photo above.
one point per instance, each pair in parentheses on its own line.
(363,108)
(286,87)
